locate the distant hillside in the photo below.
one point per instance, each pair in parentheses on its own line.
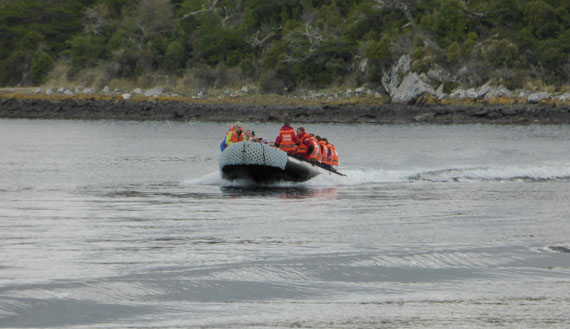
(283,45)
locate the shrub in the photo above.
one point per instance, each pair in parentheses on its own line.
(453,53)
(270,83)
(40,66)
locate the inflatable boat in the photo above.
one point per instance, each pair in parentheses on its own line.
(262,163)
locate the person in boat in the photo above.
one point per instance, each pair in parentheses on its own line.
(325,152)
(287,140)
(259,139)
(306,147)
(235,134)
(249,136)
(332,155)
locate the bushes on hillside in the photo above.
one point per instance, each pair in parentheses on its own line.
(283,44)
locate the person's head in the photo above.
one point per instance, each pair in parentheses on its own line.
(259,138)
(300,130)
(324,139)
(286,124)
(318,137)
(248,133)
(237,125)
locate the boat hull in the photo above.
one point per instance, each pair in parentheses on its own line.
(262,163)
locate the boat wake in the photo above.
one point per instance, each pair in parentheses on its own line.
(363,177)
(501,174)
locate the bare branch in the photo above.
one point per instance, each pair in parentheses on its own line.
(209,6)
(255,42)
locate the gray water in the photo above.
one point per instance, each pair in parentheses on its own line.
(128,225)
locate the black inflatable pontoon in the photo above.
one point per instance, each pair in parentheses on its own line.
(265,164)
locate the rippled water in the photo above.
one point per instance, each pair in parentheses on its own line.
(126,224)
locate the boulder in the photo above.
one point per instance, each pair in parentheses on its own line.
(499,91)
(411,88)
(458,94)
(87,91)
(565,97)
(68,92)
(393,78)
(137,91)
(126,96)
(156,91)
(106,90)
(439,93)
(484,90)
(50,91)
(537,97)
(38,91)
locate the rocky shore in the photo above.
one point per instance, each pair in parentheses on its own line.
(178,110)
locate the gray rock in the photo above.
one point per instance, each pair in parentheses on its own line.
(498,92)
(49,91)
(564,97)
(106,90)
(38,91)
(360,90)
(439,93)
(348,93)
(137,91)
(438,74)
(156,91)
(245,89)
(410,88)
(61,90)
(537,97)
(87,91)
(484,90)
(126,96)
(393,78)
(471,93)
(68,92)
(458,93)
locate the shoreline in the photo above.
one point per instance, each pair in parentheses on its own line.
(90,107)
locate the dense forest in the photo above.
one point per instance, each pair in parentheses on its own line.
(282,44)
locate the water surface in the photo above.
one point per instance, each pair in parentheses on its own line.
(128,224)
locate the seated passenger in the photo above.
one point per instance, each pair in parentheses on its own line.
(306,146)
(235,135)
(286,141)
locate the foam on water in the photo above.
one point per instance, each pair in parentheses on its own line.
(509,173)
(363,177)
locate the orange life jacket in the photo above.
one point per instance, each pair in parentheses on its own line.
(287,143)
(235,138)
(303,148)
(316,155)
(325,157)
(334,155)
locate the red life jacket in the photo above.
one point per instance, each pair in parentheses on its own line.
(287,143)
(305,141)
